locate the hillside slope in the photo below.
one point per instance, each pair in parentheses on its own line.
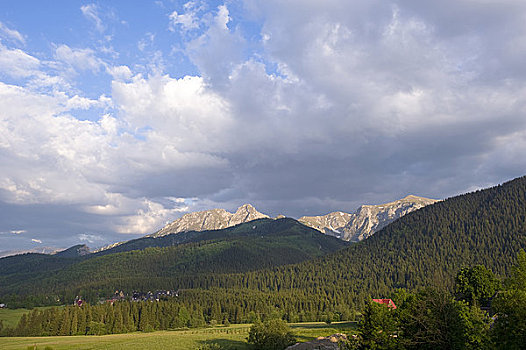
(256,245)
(423,248)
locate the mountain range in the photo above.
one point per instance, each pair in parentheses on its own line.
(365,221)
(349,227)
(258,259)
(215,219)
(255,245)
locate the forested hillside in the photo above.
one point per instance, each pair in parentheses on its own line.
(424,248)
(156,261)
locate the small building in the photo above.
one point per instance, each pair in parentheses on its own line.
(388,302)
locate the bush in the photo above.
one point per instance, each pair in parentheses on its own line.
(272,334)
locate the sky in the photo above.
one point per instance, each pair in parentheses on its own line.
(117,117)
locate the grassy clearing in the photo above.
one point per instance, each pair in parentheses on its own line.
(232,337)
(11,317)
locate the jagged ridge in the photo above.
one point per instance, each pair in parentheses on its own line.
(214,219)
(365,221)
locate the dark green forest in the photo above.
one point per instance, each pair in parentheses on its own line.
(482,313)
(38,279)
(244,273)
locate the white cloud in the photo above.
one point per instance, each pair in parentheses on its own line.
(150,217)
(218,49)
(11,34)
(51,157)
(80,59)
(147,40)
(90,238)
(183,114)
(188,20)
(34,240)
(120,73)
(91,12)
(13,232)
(17,64)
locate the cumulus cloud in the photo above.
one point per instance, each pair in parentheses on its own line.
(110,166)
(148,218)
(17,64)
(120,73)
(367,98)
(218,49)
(187,20)
(335,105)
(79,59)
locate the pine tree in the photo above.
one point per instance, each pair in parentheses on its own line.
(74,321)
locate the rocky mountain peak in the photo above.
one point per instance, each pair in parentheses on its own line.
(213,219)
(245,213)
(366,220)
(246,207)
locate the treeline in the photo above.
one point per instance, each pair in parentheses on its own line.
(121,317)
(190,309)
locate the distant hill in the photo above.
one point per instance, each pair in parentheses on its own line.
(250,246)
(74,252)
(367,220)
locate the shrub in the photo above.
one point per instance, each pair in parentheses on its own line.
(272,334)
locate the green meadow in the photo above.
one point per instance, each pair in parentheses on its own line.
(10,317)
(232,337)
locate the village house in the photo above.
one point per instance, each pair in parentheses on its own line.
(390,304)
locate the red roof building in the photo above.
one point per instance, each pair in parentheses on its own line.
(387,302)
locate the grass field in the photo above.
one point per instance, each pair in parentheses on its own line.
(232,337)
(11,317)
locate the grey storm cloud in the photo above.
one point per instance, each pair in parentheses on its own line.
(345,103)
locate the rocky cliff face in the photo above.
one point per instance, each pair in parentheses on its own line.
(214,219)
(366,220)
